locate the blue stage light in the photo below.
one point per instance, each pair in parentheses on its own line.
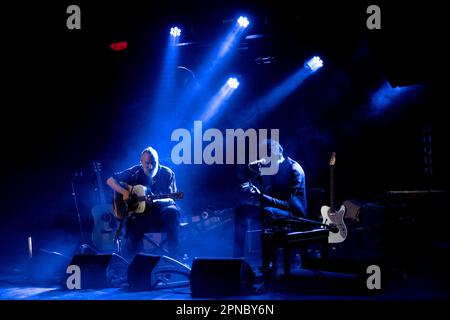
(314,63)
(233,83)
(243,22)
(175,32)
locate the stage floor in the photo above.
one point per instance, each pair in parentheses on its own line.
(301,285)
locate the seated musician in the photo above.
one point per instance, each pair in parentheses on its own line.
(284,196)
(161,214)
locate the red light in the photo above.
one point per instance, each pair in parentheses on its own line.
(119,46)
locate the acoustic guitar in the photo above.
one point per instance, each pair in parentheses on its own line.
(138,200)
(105,222)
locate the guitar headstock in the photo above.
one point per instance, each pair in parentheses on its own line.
(333,159)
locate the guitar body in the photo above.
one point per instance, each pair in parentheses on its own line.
(133,205)
(105,225)
(334,218)
(331,216)
(138,200)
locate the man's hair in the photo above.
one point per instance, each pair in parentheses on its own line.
(273,145)
(152,152)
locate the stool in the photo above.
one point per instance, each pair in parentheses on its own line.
(287,240)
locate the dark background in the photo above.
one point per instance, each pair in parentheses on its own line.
(70,100)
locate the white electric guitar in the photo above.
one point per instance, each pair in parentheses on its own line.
(330,215)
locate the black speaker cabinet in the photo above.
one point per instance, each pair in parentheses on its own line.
(100,270)
(221,277)
(148,272)
(93,269)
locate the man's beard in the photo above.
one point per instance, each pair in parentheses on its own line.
(152,172)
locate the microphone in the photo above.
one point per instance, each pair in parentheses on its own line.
(258,162)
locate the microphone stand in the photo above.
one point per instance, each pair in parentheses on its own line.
(317,223)
(74,195)
(264,261)
(84,245)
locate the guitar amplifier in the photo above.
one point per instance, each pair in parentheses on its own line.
(219,277)
(380,230)
(366,233)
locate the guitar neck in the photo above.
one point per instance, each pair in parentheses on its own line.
(157,196)
(101,192)
(332,195)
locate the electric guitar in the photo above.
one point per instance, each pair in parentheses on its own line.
(105,223)
(138,200)
(331,216)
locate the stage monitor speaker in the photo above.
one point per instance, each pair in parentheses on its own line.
(221,277)
(100,270)
(149,272)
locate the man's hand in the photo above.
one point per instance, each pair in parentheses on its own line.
(252,194)
(249,187)
(126,195)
